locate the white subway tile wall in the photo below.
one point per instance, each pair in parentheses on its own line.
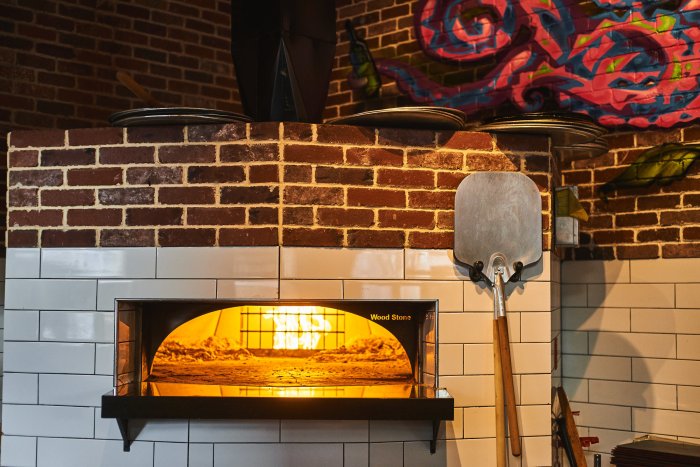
(59,356)
(631,348)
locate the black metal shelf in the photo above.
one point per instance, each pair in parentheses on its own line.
(127,407)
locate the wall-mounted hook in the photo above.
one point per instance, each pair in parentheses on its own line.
(475,273)
(518,267)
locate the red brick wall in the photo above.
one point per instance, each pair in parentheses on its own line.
(642,222)
(258,184)
(59,58)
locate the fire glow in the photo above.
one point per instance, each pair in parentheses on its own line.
(297,327)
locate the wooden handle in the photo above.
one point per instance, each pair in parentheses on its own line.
(571,431)
(137,89)
(508,385)
(500,414)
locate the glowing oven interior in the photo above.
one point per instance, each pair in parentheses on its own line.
(299,349)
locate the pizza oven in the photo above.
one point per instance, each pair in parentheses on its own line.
(281,359)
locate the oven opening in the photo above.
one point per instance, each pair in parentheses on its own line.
(316,349)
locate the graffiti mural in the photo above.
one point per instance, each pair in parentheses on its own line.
(630,62)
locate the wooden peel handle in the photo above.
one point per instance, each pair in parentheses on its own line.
(137,89)
(508,385)
(500,415)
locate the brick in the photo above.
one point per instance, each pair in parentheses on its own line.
(216,216)
(597,253)
(126,196)
(599,222)
(38,217)
(403,137)
(407,219)
(155,134)
(615,205)
(604,160)
(23,238)
(578,177)
(95,177)
(492,162)
(263,173)
(186,237)
(23,197)
(94,217)
(376,238)
(671,234)
(375,197)
(620,140)
(67,197)
(465,140)
(691,134)
(343,134)
(431,199)
(537,163)
(434,159)
(516,142)
(297,173)
(297,131)
(186,195)
(313,154)
(430,240)
(63,157)
(36,178)
(186,154)
(298,216)
(154,216)
(313,195)
(634,220)
(24,159)
(374,156)
(127,237)
(250,195)
(312,237)
(267,236)
(656,138)
(263,215)
(691,233)
(339,217)
(612,237)
(68,238)
(681,250)
(449,179)
(637,251)
(264,131)
(95,136)
(446,220)
(154,175)
(37,138)
(645,203)
(249,153)
(206,133)
(128,155)
(406,178)
(215,174)
(344,176)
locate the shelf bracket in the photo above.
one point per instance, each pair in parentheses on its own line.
(123,424)
(436,430)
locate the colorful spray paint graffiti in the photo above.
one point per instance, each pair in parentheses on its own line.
(630,62)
